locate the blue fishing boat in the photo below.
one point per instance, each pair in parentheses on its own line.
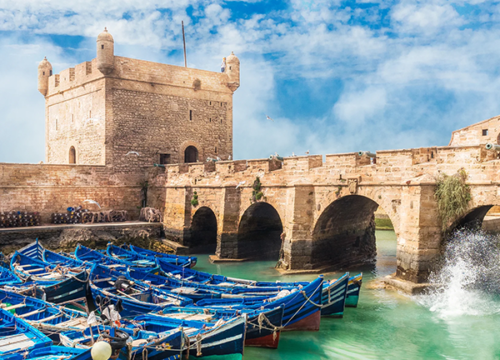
(85,254)
(7,277)
(136,298)
(263,326)
(138,261)
(334,295)
(197,291)
(33,250)
(190,290)
(31,269)
(145,344)
(48,318)
(353,290)
(202,339)
(63,260)
(52,353)
(16,335)
(179,260)
(302,306)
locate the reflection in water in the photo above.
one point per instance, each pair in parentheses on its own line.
(386,324)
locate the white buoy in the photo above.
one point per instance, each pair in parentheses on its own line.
(101,351)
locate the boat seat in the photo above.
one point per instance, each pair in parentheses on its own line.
(50,318)
(31,313)
(15,342)
(12,307)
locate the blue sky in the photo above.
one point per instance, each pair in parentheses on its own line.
(336,76)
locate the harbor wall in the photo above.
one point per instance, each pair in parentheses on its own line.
(47,188)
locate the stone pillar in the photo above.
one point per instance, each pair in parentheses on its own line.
(420,234)
(227,230)
(298,227)
(177,216)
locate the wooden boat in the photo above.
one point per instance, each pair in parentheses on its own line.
(145,344)
(47,318)
(7,277)
(263,326)
(60,259)
(353,290)
(52,353)
(187,289)
(302,307)
(334,294)
(137,299)
(138,261)
(197,291)
(28,268)
(33,250)
(85,254)
(17,336)
(222,338)
(184,261)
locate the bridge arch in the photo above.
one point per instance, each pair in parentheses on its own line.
(259,232)
(203,231)
(344,233)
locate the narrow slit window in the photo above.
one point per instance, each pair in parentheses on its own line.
(191,115)
(216,149)
(44,73)
(102,46)
(432,154)
(210,119)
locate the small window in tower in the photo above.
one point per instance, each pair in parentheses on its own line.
(432,154)
(164,159)
(485,132)
(191,115)
(221,121)
(210,103)
(50,72)
(44,73)
(102,46)
(216,149)
(230,68)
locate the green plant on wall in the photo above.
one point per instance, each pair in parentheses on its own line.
(256,193)
(194,200)
(452,195)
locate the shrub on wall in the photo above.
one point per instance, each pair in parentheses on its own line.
(452,195)
(194,200)
(256,193)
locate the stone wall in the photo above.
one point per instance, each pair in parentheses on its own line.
(154,124)
(53,188)
(487,131)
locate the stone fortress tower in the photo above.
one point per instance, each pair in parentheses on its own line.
(105,111)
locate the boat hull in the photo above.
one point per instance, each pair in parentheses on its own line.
(353,290)
(334,297)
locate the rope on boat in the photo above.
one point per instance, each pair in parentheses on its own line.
(262,317)
(198,345)
(144,353)
(308,299)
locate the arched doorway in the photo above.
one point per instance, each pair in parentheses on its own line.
(344,234)
(72,155)
(190,154)
(259,233)
(203,230)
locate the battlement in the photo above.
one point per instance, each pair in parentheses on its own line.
(134,70)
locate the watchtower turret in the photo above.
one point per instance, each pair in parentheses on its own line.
(105,52)
(233,71)
(44,72)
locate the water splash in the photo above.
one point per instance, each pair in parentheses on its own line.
(468,282)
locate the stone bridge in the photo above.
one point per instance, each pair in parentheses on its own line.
(325,205)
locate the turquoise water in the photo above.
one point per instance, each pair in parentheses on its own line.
(386,324)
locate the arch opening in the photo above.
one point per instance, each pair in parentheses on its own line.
(203,231)
(259,233)
(190,154)
(344,234)
(72,155)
